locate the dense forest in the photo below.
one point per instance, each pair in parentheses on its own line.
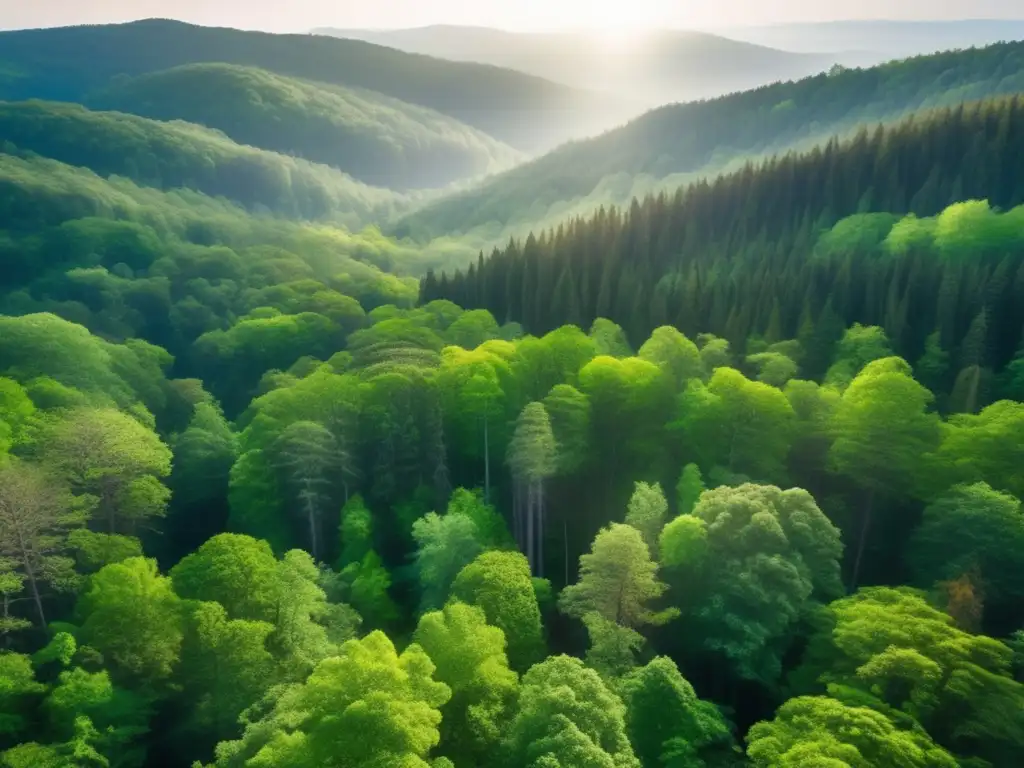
(869,231)
(727,477)
(378,140)
(680,143)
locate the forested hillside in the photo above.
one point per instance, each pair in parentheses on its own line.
(68,63)
(172,155)
(916,228)
(647,68)
(680,143)
(727,478)
(376,139)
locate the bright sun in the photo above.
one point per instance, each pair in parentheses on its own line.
(615,23)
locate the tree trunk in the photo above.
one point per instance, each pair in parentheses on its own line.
(487,464)
(540,528)
(311,518)
(530,512)
(30,574)
(565,544)
(865,528)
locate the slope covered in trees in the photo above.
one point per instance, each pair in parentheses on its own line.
(680,143)
(648,68)
(66,64)
(172,155)
(376,139)
(871,231)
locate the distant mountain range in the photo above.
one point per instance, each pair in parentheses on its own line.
(524,111)
(880,40)
(652,68)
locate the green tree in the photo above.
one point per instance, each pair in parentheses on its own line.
(617,581)
(883,435)
(766,556)
(131,615)
(568,717)
(532,457)
(646,512)
(740,425)
(986,447)
(689,488)
(225,667)
(36,515)
(114,459)
(366,707)
(817,730)
(500,584)
(675,354)
(95,550)
(666,722)
(445,545)
(310,460)
(974,530)
(470,658)
(609,338)
(890,650)
(237,572)
(859,346)
(203,456)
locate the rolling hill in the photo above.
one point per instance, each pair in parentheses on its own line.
(174,155)
(65,64)
(377,139)
(653,67)
(675,144)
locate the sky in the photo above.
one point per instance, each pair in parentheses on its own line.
(302,15)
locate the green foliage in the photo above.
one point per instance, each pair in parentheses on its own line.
(905,655)
(617,581)
(817,730)
(646,512)
(883,428)
(973,530)
(93,551)
(446,544)
(763,558)
(739,425)
(499,583)
(116,462)
(664,717)
(689,488)
(225,666)
(470,658)
(131,615)
(567,716)
(367,706)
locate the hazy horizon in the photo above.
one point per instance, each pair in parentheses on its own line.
(525,15)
